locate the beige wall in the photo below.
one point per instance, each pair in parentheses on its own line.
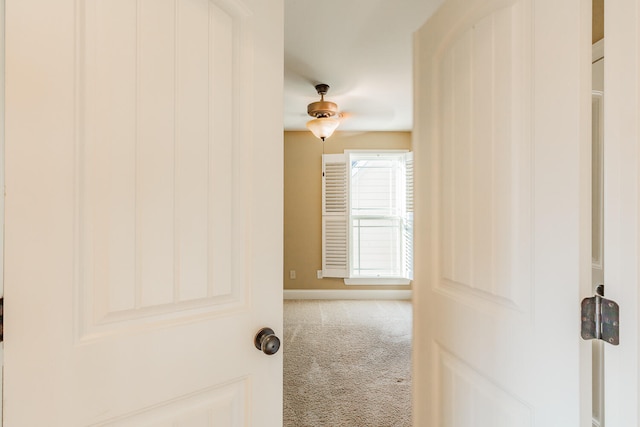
(597,20)
(303,203)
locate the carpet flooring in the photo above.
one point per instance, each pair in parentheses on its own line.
(347,363)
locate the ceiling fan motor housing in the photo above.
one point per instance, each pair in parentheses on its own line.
(322,108)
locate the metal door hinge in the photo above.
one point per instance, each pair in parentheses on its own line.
(600,318)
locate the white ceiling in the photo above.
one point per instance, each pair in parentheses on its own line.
(362,49)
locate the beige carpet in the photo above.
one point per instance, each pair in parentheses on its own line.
(347,363)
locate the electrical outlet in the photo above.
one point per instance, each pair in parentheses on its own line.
(292,274)
(319,274)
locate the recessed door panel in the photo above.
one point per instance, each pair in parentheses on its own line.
(484,184)
(160,198)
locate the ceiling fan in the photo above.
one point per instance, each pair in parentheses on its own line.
(326,116)
(323,124)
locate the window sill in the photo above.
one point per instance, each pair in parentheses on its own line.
(376,281)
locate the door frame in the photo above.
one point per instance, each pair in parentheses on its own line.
(597,261)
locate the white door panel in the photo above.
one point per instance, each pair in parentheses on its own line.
(503,219)
(621,213)
(143,240)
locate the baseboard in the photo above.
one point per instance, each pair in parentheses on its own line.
(346,294)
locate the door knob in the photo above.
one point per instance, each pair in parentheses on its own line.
(267,341)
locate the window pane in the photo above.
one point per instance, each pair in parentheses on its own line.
(377,250)
(376,185)
(380,232)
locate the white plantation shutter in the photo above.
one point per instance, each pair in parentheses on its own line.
(335,216)
(408,217)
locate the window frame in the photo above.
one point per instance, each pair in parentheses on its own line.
(405,218)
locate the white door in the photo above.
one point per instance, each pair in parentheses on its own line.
(503,214)
(143,212)
(621,210)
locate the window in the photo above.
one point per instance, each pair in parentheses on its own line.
(367,221)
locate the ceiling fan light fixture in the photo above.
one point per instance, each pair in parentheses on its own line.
(323,124)
(323,127)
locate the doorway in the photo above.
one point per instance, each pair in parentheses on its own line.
(373,322)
